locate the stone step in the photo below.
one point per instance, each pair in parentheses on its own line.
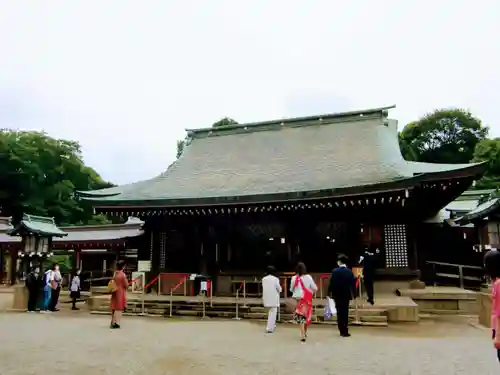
(251,302)
(241,309)
(241,314)
(225,307)
(376,321)
(444,312)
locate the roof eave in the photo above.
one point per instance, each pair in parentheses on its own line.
(16,231)
(474,170)
(475,216)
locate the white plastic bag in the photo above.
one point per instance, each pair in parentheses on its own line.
(330,309)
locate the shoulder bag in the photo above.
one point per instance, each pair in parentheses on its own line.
(112,287)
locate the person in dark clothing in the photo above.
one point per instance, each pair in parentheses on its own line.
(341,289)
(369,263)
(34,284)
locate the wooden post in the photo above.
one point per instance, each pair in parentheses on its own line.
(13,265)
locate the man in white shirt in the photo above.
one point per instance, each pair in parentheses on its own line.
(271,290)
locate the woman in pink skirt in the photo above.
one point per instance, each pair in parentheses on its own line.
(119,297)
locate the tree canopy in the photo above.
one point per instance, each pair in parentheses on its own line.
(226,121)
(39,175)
(489,150)
(452,136)
(443,136)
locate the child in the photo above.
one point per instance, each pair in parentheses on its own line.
(492,266)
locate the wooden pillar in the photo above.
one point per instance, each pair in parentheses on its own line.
(13,266)
(2,264)
(78,258)
(413,258)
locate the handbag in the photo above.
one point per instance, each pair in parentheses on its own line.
(112,287)
(330,309)
(290,305)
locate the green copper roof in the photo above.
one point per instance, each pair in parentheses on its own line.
(480,212)
(264,161)
(37,224)
(5,223)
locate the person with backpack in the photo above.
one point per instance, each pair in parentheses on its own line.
(303,287)
(33,283)
(48,276)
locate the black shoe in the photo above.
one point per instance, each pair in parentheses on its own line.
(75,308)
(115,326)
(303,340)
(371,302)
(345,335)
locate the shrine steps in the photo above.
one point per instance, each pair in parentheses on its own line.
(366,317)
(393,309)
(443,300)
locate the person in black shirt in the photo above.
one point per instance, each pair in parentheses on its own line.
(34,284)
(341,289)
(368,260)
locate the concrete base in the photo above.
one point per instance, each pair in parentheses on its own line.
(20,298)
(484,307)
(443,300)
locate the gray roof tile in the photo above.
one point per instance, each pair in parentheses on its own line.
(284,156)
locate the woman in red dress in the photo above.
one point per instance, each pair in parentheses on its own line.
(119,297)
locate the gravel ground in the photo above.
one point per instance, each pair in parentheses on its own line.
(81,344)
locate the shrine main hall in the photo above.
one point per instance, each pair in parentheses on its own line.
(308,188)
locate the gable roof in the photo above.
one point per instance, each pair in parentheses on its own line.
(88,233)
(480,212)
(336,154)
(102,233)
(37,224)
(5,223)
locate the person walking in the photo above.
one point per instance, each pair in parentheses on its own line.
(368,261)
(74,289)
(33,283)
(55,285)
(341,289)
(492,267)
(303,287)
(119,295)
(271,290)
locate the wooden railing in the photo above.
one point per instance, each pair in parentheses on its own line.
(460,272)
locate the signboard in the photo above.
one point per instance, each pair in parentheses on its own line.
(138,279)
(144,266)
(203,286)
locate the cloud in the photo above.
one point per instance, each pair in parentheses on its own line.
(125,78)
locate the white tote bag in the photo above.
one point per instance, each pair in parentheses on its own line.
(330,309)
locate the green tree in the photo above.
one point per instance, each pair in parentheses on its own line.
(489,150)
(226,121)
(39,174)
(443,136)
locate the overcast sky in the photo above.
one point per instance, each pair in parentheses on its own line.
(125,78)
